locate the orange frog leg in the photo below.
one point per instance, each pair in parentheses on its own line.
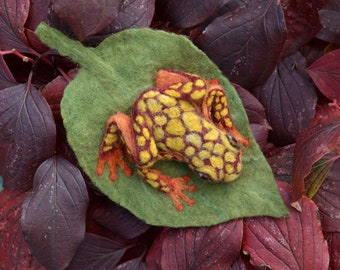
(215,107)
(173,187)
(112,147)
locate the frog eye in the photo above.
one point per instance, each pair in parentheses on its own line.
(235,143)
(204,176)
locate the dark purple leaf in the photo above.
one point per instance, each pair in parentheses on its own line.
(328,200)
(97,252)
(132,13)
(330,19)
(246,44)
(120,221)
(6,77)
(13,15)
(134,264)
(302,22)
(14,252)
(289,97)
(93,15)
(53,215)
(289,243)
(214,247)
(28,130)
(185,14)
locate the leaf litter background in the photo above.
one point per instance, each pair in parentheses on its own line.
(304,26)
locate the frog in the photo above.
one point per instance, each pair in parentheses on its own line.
(183,117)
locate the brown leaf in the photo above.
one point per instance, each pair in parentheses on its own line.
(289,243)
(214,247)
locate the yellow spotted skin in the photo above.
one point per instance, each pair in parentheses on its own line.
(188,121)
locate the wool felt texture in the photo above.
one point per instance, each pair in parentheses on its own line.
(109,80)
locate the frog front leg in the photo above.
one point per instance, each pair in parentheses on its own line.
(112,147)
(215,107)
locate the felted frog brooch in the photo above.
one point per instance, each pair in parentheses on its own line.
(184,118)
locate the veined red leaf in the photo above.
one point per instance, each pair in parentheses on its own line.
(53,215)
(312,144)
(333,240)
(246,44)
(302,22)
(28,130)
(289,98)
(185,14)
(119,220)
(94,15)
(328,200)
(325,73)
(289,243)
(97,252)
(214,247)
(13,15)
(14,252)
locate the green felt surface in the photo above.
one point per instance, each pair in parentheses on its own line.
(110,78)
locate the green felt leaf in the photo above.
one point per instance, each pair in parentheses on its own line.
(110,78)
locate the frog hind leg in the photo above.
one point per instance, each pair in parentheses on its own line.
(173,187)
(112,147)
(215,107)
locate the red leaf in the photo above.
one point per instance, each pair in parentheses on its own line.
(246,44)
(87,17)
(53,215)
(97,252)
(119,220)
(185,14)
(302,22)
(333,240)
(214,247)
(289,98)
(325,73)
(312,144)
(290,243)
(13,15)
(328,200)
(28,130)
(14,252)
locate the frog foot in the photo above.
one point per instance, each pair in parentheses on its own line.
(113,158)
(175,187)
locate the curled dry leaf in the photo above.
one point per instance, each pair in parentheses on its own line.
(246,44)
(289,97)
(325,73)
(53,215)
(214,247)
(289,243)
(312,144)
(328,200)
(28,130)
(14,252)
